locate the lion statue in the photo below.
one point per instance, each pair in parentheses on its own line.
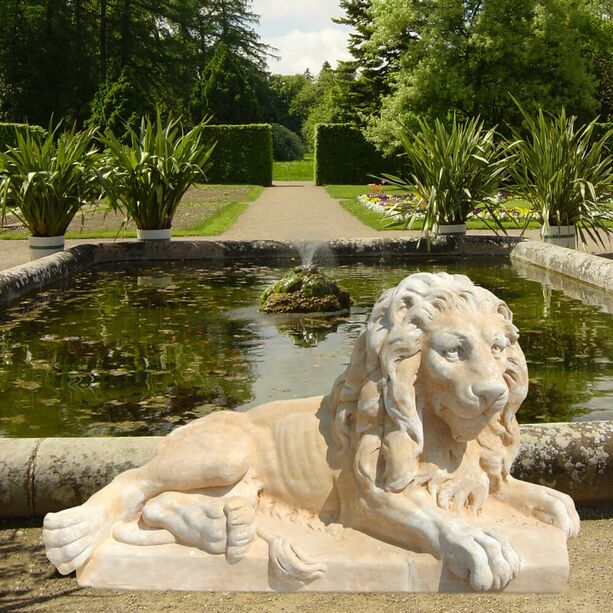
(415,436)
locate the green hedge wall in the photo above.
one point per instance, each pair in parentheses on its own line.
(8,133)
(243,154)
(344,156)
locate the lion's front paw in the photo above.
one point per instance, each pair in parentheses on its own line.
(546,504)
(70,536)
(557,509)
(484,557)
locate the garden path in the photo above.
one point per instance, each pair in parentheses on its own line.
(294,210)
(289,210)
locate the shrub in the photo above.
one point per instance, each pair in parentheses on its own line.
(286,145)
(456,170)
(344,156)
(243,153)
(46,178)
(148,177)
(9,131)
(565,172)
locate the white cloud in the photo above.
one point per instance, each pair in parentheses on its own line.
(297,10)
(301,50)
(303,33)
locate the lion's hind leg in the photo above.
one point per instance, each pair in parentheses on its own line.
(207,454)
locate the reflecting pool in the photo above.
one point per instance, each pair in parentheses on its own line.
(139,350)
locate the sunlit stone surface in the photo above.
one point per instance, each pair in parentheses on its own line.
(410,452)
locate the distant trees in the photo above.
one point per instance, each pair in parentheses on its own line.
(68,59)
(424,58)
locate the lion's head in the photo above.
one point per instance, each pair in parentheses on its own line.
(433,385)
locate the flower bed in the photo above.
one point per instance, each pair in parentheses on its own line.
(398,207)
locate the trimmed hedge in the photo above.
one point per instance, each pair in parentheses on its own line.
(344,156)
(243,153)
(8,133)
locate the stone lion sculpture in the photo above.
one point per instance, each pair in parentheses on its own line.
(415,437)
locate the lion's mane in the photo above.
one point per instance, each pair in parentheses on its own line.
(379,415)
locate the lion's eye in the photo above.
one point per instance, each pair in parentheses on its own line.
(452,354)
(497,348)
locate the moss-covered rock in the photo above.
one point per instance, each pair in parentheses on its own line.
(304,290)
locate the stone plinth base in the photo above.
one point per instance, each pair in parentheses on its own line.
(354,562)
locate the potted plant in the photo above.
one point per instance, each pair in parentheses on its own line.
(147,177)
(566,176)
(44,181)
(455,172)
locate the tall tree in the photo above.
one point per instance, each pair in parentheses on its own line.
(467,56)
(225,90)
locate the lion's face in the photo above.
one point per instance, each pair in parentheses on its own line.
(463,363)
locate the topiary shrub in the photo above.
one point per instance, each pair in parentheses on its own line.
(9,131)
(286,145)
(344,156)
(243,153)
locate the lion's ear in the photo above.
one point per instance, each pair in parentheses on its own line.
(511,331)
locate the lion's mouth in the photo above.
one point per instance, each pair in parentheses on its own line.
(464,429)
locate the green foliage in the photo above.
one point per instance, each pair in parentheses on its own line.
(466,57)
(284,99)
(119,104)
(454,170)
(243,154)
(9,132)
(306,289)
(47,178)
(148,177)
(226,91)
(342,155)
(329,99)
(286,145)
(564,172)
(55,56)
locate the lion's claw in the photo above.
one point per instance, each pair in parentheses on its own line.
(485,558)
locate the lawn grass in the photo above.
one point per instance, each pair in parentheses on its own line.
(300,170)
(217,223)
(348,194)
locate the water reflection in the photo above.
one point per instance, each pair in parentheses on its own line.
(140,350)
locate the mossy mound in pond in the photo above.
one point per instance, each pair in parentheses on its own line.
(304,290)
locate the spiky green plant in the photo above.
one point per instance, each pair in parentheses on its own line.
(564,172)
(147,177)
(47,178)
(455,171)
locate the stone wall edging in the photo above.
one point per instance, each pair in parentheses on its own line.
(21,280)
(583,267)
(42,475)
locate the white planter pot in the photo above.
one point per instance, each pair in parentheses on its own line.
(562,236)
(458,229)
(153,235)
(41,246)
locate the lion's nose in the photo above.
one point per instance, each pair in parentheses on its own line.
(492,395)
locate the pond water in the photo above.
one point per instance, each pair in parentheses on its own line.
(139,350)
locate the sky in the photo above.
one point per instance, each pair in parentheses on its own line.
(303,33)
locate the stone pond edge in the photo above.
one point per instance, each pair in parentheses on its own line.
(48,474)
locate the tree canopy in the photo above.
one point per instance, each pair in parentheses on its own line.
(468,56)
(62,59)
